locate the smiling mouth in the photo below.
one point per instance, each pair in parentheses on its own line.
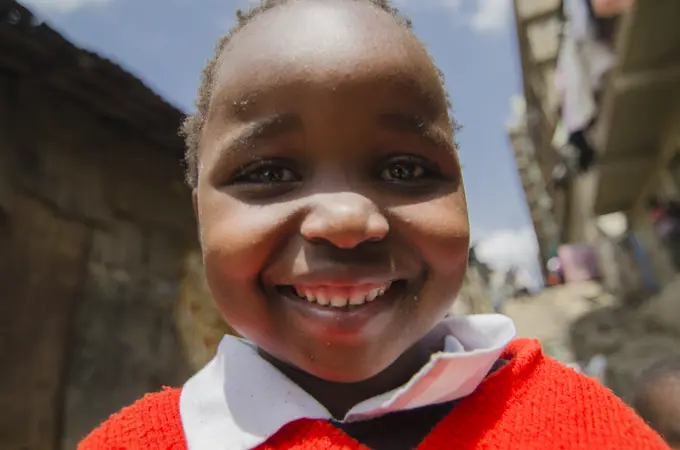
(341,297)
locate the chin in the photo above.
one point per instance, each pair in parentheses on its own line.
(344,376)
(343,365)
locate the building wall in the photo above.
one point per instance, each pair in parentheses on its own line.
(538,27)
(541,201)
(579,220)
(97,223)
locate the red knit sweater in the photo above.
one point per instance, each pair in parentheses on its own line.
(533,403)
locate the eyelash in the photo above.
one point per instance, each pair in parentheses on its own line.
(426,170)
(243,174)
(429,170)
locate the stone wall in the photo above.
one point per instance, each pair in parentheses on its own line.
(200,324)
(94,225)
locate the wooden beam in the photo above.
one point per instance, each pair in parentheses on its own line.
(644,160)
(626,82)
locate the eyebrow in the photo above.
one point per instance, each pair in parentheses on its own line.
(271,127)
(266,128)
(418,126)
(280,124)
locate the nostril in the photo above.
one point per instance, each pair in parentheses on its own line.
(345,239)
(316,240)
(344,225)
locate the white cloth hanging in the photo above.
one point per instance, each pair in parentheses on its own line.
(598,60)
(574,87)
(576,13)
(582,63)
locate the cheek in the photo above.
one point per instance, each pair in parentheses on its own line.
(440,231)
(237,238)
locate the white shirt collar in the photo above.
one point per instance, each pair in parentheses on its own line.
(238,400)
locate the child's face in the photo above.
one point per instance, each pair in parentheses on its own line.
(327,165)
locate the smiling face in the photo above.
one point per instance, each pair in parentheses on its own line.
(330,199)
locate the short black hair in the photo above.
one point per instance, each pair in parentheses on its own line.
(653,400)
(192,127)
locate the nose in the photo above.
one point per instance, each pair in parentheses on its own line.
(344,220)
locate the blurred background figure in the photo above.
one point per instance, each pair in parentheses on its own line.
(665,216)
(555,271)
(656,398)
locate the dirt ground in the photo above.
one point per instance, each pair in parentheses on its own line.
(548,315)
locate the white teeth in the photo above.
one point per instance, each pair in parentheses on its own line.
(338,302)
(372,295)
(358,298)
(321,299)
(325,296)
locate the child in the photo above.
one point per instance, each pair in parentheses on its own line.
(656,398)
(335,234)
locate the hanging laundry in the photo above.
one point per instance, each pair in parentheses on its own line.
(574,152)
(598,59)
(579,19)
(586,154)
(574,86)
(582,65)
(596,56)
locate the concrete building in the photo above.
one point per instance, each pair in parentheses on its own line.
(636,135)
(539,196)
(534,118)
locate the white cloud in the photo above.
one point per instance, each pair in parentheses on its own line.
(511,248)
(491,15)
(64,6)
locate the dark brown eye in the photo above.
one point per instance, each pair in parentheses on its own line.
(408,169)
(403,171)
(272,175)
(267,172)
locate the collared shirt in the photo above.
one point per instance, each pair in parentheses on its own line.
(239,400)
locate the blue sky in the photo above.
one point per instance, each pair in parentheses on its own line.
(166,42)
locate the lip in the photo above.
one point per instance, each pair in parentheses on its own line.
(330,324)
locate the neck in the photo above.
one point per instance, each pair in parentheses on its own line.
(339,398)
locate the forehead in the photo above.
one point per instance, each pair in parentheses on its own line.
(325,44)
